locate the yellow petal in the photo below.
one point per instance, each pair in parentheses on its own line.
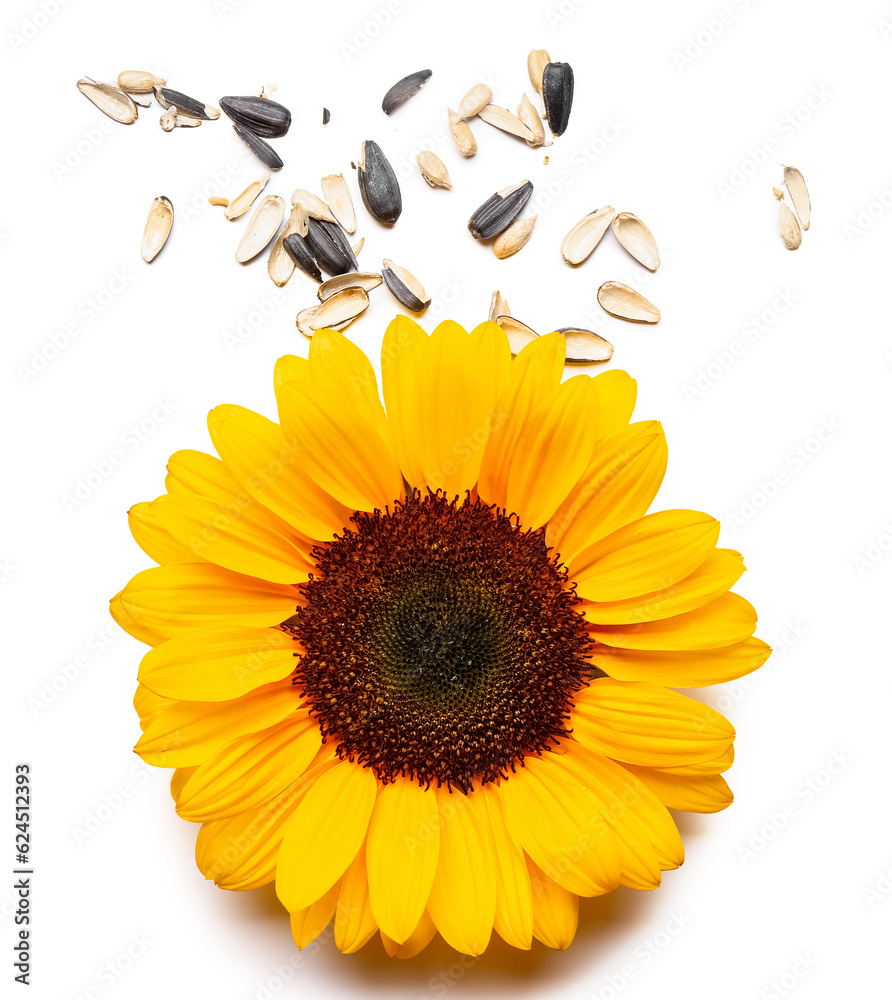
(404,346)
(130,624)
(354,921)
(617,487)
(420,939)
(687,668)
(706,793)
(255,451)
(514,898)
(616,395)
(168,600)
(178,780)
(403,846)
(650,554)
(463,898)
(155,540)
(718,573)
(640,723)
(726,620)
(493,356)
(555,910)
(188,732)
(216,664)
(324,834)
(148,704)
(558,821)
(307,924)
(290,368)
(718,765)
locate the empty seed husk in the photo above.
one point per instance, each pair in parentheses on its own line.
(337,195)
(313,204)
(502,119)
(262,227)
(185,104)
(358,245)
(259,147)
(518,334)
(498,306)
(537,60)
(557,93)
(110,101)
(790,230)
(352,279)
(499,211)
(138,81)
(265,118)
(403,89)
(142,103)
(514,238)
(184,121)
(329,247)
(406,288)
(169,118)
(530,117)
(158,226)
(299,251)
(625,303)
(637,240)
(461,134)
(242,202)
(475,101)
(378,185)
(303,320)
(585,347)
(798,194)
(582,239)
(340,309)
(433,169)
(280,265)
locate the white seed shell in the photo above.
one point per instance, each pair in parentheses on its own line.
(158,226)
(433,169)
(530,117)
(314,205)
(498,306)
(518,334)
(262,227)
(340,309)
(798,194)
(358,246)
(514,238)
(582,239)
(337,195)
(137,81)
(537,60)
(280,266)
(352,279)
(242,202)
(637,239)
(502,119)
(475,100)
(625,303)
(790,230)
(110,101)
(169,119)
(585,347)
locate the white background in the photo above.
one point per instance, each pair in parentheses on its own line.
(775,889)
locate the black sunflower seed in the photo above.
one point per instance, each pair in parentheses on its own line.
(403,89)
(184,104)
(263,117)
(557,93)
(262,150)
(499,211)
(378,185)
(297,249)
(329,247)
(326,116)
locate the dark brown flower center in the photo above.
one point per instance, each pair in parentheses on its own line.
(441,642)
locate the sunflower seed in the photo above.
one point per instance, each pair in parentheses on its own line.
(502,119)
(299,251)
(303,320)
(262,227)
(475,101)
(326,116)
(337,195)
(169,118)
(280,265)
(557,92)
(530,117)
(142,104)
(584,347)
(514,238)
(358,246)
(637,240)
(403,89)
(240,204)
(137,81)
(518,334)
(259,147)
(537,60)
(110,101)
(462,135)
(582,239)
(184,121)
(498,306)
(378,185)
(778,193)
(330,248)
(216,200)
(263,117)
(499,211)
(342,308)
(158,226)
(790,230)
(187,105)
(406,288)
(352,279)
(625,303)
(313,204)
(799,194)
(433,170)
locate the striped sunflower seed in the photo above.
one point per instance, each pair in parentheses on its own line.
(265,118)
(352,279)
(186,105)
(259,147)
(799,194)
(637,240)
(433,169)
(337,195)
(137,81)
(403,89)
(585,347)
(537,60)
(340,309)
(501,118)
(261,229)
(406,288)
(514,238)
(625,303)
(557,92)
(378,185)
(474,101)
(298,249)
(499,211)
(582,239)
(518,334)
(242,202)
(530,117)
(158,226)
(330,248)
(498,306)
(110,101)
(461,134)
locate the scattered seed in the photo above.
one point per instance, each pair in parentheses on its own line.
(216,200)
(378,185)
(537,60)
(544,161)
(303,320)
(280,265)
(498,306)
(110,101)
(433,170)
(403,89)
(518,334)
(352,279)
(337,195)
(262,227)
(158,226)
(240,204)
(313,204)
(637,239)
(263,117)
(169,118)
(187,105)
(474,101)
(137,81)
(299,251)
(358,246)
(499,211)
(340,309)
(625,303)
(142,104)
(502,119)
(778,193)
(514,238)
(530,117)
(799,194)
(259,147)
(462,135)
(406,288)
(582,239)
(329,247)
(184,121)
(790,230)
(326,116)
(585,347)
(557,92)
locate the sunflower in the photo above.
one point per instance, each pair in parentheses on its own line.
(414,661)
